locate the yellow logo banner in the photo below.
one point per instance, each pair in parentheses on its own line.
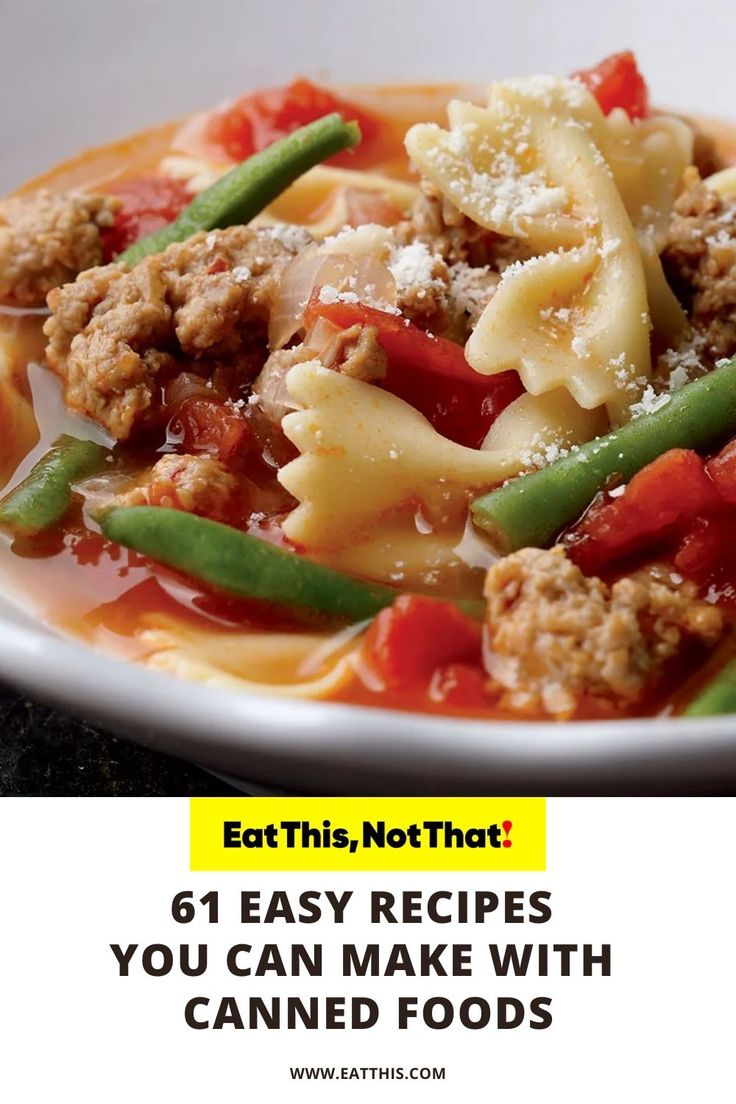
(368,833)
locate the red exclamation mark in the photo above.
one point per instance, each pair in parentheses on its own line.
(506,825)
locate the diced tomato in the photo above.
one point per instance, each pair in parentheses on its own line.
(431,373)
(401,339)
(202,420)
(701,546)
(672,490)
(412,638)
(722,470)
(148,203)
(215,428)
(255,121)
(680,502)
(617,82)
(461,684)
(705,555)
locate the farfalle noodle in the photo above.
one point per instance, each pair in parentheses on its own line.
(542,163)
(366,454)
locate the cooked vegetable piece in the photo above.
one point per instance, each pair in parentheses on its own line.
(44,495)
(256,120)
(719,696)
(460,684)
(241,564)
(431,373)
(660,498)
(148,203)
(249,187)
(532,510)
(417,635)
(617,82)
(722,470)
(214,428)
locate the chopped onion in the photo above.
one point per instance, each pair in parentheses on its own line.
(360,272)
(293,295)
(188,385)
(318,337)
(273,394)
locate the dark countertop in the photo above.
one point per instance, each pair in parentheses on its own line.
(47,753)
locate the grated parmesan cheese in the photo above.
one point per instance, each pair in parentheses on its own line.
(542,452)
(292,237)
(472,288)
(506,194)
(413,267)
(329,294)
(580,347)
(682,364)
(608,247)
(649,403)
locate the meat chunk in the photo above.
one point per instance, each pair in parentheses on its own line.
(446,300)
(356,352)
(46,240)
(555,636)
(118,333)
(422,285)
(444,229)
(467,264)
(700,261)
(197,484)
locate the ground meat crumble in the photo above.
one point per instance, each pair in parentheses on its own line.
(700,262)
(117,334)
(554,635)
(46,240)
(437,223)
(197,484)
(356,352)
(467,262)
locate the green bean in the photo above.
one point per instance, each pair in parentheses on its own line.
(253,184)
(43,497)
(533,509)
(718,696)
(241,564)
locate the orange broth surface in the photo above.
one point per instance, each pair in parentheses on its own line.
(73,579)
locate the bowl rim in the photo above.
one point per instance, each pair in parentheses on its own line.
(323,746)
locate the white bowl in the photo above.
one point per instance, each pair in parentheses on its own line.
(325,748)
(140,63)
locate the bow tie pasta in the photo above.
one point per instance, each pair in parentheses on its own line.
(647,158)
(366,454)
(298,665)
(589,196)
(542,163)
